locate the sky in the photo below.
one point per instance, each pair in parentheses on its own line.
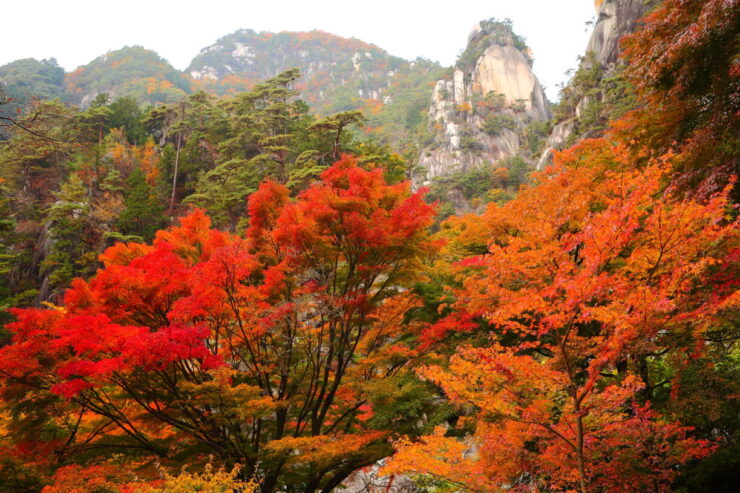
(77,31)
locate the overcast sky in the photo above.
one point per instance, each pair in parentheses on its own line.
(77,31)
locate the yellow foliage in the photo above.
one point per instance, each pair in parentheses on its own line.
(464,107)
(210,481)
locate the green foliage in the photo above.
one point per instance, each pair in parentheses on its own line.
(263,125)
(28,77)
(471,184)
(604,96)
(190,131)
(143,214)
(494,124)
(263,133)
(406,405)
(69,229)
(397,167)
(469,142)
(518,169)
(126,114)
(535,136)
(585,80)
(8,259)
(95,121)
(479,185)
(401,120)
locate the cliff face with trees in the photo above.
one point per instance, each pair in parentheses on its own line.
(598,91)
(254,291)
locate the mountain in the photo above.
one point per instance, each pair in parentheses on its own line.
(482,111)
(337,72)
(28,77)
(131,71)
(247,56)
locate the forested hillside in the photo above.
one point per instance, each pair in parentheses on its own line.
(337,74)
(228,281)
(27,78)
(131,71)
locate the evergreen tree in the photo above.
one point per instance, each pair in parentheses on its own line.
(143,214)
(71,252)
(126,114)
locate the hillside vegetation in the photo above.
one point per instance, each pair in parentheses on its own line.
(237,292)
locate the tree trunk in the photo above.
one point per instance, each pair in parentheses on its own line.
(579,447)
(174,174)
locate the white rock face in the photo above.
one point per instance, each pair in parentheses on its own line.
(244,53)
(616,18)
(205,73)
(458,85)
(505,70)
(461,143)
(369,480)
(557,138)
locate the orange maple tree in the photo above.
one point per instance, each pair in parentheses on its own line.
(587,276)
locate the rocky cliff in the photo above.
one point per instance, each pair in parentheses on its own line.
(479,112)
(597,89)
(615,19)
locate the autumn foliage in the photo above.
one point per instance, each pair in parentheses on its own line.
(255,349)
(600,291)
(588,275)
(580,337)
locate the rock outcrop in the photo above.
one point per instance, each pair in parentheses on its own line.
(477,114)
(616,18)
(505,70)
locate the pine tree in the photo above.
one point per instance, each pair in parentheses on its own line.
(143,214)
(72,253)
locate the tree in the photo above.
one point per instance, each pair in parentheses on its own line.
(188,133)
(142,216)
(126,114)
(71,253)
(96,118)
(261,350)
(587,280)
(682,63)
(336,124)
(261,123)
(269,134)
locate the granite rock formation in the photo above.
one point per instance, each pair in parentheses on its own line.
(478,112)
